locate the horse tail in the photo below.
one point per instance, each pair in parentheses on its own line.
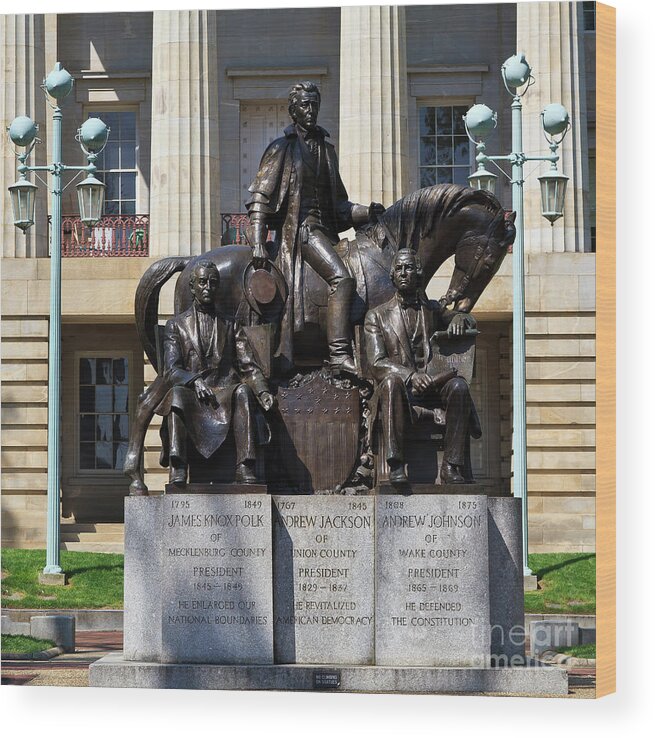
(146,301)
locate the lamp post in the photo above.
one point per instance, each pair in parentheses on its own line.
(480,121)
(92,137)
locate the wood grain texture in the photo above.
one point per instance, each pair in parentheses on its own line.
(606,355)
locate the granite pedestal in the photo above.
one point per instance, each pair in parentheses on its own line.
(323,580)
(432,595)
(392,593)
(198,579)
(529,680)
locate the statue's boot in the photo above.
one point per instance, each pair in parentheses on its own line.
(245,473)
(339,332)
(450,474)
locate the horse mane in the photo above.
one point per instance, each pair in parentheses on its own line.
(414,216)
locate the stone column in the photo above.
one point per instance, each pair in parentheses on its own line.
(373,105)
(184,193)
(24,48)
(551,35)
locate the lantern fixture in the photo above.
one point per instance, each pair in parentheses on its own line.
(482,179)
(90,198)
(23,194)
(553,191)
(479,122)
(556,124)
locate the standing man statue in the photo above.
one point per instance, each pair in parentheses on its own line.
(215,382)
(399,353)
(298,193)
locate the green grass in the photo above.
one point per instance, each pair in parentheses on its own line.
(567,583)
(95,580)
(587,651)
(24,644)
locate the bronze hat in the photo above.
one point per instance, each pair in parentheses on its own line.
(266,290)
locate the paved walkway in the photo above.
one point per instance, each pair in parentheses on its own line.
(68,669)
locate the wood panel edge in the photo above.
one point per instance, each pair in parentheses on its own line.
(606,350)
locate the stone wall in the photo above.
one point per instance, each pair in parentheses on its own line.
(560,392)
(99,292)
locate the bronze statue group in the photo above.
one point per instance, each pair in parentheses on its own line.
(210,376)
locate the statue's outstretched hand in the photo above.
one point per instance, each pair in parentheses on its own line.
(203,393)
(266,400)
(460,324)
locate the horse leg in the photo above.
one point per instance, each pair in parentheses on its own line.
(145,409)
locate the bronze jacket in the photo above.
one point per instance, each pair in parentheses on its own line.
(224,364)
(276,192)
(389,348)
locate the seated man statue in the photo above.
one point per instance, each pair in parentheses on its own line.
(215,382)
(398,348)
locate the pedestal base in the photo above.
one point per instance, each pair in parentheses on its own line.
(53,579)
(113,671)
(413,488)
(530,582)
(216,488)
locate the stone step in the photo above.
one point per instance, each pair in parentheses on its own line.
(92,532)
(95,547)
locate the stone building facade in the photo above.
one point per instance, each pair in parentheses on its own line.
(192,98)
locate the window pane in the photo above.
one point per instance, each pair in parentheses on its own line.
(444,150)
(428,151)
(103,399)
(112,183)
(87,371)
(459,111)
(444,120)
(103,371)
(128,207)
(104,427)
(87,428)
(444,175)
(460,176)
(462,150)
(104,456)
(111,160)
(120,452)
(128,126)
(128,156)
(87,399)
(128,186)
(111,119)
(120,428)
(120,371)
(426,118)
(427,177)
(111,207)
(87,455)
(120,399)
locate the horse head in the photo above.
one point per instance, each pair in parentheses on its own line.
(478,257)
(448,219)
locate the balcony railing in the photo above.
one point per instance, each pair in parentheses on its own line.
(114,235)
(234,229)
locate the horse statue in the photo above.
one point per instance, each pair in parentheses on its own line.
(437,222)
